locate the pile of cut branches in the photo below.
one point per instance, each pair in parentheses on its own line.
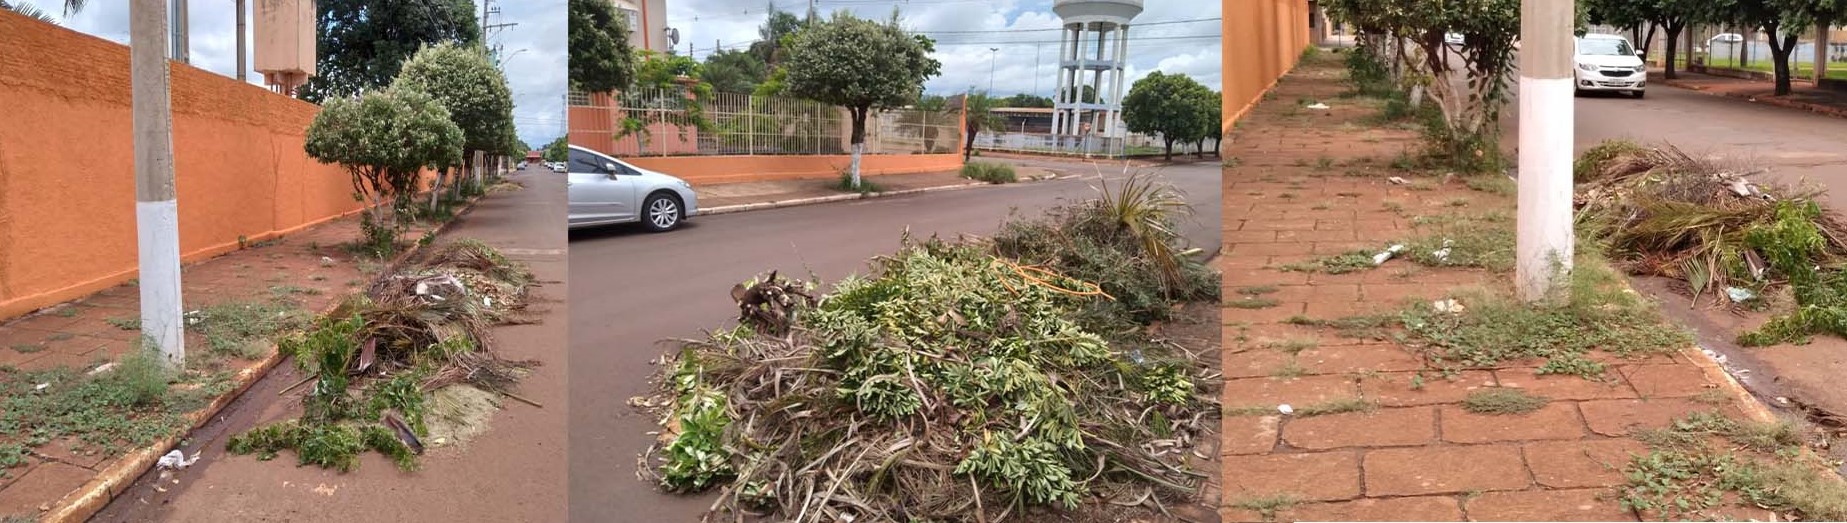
(960,381)
(1665,213)
(376,359)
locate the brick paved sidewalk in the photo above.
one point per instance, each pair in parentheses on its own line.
(1804,96)
(307,271)
(1306,184)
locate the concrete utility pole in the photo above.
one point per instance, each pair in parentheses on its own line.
(993,52)
(157,218)
(242,40)
(1544,242)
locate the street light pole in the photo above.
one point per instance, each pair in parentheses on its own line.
(157,219)
(1544,240)
(993,52)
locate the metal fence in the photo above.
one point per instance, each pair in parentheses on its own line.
(1089,146)
(658,122)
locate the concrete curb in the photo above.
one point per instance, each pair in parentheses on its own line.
(1823,110)
(728,209)
(82,503)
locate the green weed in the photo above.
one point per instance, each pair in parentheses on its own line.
(1502,401)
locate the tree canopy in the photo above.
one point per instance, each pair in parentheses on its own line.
(772,35)
(601,58)
(1026,100)
(735,71)
(1169,105)
(859,64)
(384,139)
(363,43)
(465,81)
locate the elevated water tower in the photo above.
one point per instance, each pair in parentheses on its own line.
(1093,53)
(285,49)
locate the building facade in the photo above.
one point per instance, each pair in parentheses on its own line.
(647,21)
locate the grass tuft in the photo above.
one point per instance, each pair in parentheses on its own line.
(1502,401)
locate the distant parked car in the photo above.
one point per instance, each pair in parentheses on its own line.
(1726,38)
(557,167)
(1608,63)
(1452,38)
(607,191)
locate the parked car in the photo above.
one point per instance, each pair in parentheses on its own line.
(1452,38)
(556,167)
(607,191)
(1725,38)
(1608,63)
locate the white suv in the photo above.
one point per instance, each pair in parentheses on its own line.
(1608,63)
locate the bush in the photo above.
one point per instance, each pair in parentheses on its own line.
(995,173)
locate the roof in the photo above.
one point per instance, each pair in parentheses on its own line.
(1022,110)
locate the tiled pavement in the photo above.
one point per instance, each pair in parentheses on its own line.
(1418,456)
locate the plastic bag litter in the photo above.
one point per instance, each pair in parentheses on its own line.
(176,460)
(1380,258)
(1318,106)
(1285,409)
(1739,294)
(1443,253)
(1450,306)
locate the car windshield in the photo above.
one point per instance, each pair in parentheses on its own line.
(1604,47)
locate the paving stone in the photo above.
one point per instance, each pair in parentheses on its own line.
(1444,469)
(1380,428)
(1297,392)
(1621,417)
(1560,387)
(1318,476)
(1667,381)
(1577,464)
(1547,505)
(45,483)
(1400,389)
(1249,434)
(1556,420)
(1420,508)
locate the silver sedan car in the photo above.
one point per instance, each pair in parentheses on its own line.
(607,191)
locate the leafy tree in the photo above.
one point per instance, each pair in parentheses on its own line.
(362,43)
(71,7)
(1167,104)
(1026,100)
(601,58)
(1089,94)
(558,150)
(1212,102)
(735,71)
(465,81)
(862,65)
(1784,21)
(773,35)
(1673,16)
(1468,131)
(978,109)
(662,83)
(384,139)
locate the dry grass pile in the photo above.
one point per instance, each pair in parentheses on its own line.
(375,360)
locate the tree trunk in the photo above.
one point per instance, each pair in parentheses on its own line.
(1170,148)
(1201,151)
(1648,42)
(969,148)
(1673,40)
(1779,52)
(1218,147)
(859,138)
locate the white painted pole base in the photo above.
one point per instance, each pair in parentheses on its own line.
(858,149)
(157,225)
(1544,244)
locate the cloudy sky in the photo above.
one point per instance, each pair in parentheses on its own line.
(965,30)
(535,74)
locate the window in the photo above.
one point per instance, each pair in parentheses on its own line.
(634,20)
(585,162)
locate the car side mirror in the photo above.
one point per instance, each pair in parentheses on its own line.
(610,168)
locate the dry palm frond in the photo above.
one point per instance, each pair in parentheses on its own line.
(1148,209)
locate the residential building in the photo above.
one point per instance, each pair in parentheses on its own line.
(647,21)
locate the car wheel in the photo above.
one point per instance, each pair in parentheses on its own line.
(1640,94)
(661,212)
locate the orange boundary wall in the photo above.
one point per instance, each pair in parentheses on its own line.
(1263,40)
(67,186)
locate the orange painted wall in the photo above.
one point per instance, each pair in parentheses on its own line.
(708,170)
(1263,39)
(67,186)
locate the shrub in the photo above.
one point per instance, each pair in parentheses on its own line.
(995,173)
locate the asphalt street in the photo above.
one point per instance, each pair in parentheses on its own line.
(631,290)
